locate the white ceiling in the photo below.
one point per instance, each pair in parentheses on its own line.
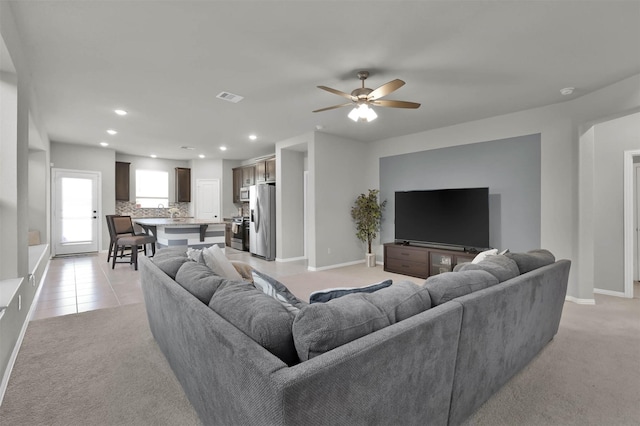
(165,62)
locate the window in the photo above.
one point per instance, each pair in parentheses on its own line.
(152,188)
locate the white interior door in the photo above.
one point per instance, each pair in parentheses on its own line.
(208,199)
(76,211)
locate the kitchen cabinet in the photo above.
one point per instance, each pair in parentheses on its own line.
(266,170)
(248,176)
(237,184)
(122,181)
(183,185)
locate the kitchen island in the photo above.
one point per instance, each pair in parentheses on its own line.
(195,233)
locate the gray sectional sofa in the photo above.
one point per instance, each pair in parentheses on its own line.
(405,354)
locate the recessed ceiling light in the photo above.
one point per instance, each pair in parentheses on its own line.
(567,91)
(253,137)
(153,156)
(201,155)
(223,148)
(120,111)
(112,132)
(104,144)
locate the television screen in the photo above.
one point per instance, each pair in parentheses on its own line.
(457,217)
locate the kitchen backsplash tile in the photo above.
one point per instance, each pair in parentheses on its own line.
(128,208)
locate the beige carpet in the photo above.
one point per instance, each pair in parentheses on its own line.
(103,368)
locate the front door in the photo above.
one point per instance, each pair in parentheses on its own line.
(76,212)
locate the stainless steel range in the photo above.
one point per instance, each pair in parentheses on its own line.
(237,233)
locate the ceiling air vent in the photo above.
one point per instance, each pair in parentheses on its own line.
(226,96)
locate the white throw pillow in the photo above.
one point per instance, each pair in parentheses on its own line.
(482,255)
(215,259)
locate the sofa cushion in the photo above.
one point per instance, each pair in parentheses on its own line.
(169,263)
(401,301)
(449,285)
(199,280)
(215,259)
(532,259)
(501,267)
(320,327)
(262,318)
(323,296)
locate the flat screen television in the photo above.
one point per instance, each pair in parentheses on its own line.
(451,217)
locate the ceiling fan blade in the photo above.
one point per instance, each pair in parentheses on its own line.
(385,89)
(333,107)
(396,104)
(337,92)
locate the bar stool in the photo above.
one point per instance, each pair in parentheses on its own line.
(125,237)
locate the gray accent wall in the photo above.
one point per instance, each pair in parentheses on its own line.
(510,168)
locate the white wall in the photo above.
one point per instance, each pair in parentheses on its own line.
(612,138)
(336,174)
(82,157)
(290,162)
(559,126)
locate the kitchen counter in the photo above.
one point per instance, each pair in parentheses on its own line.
(190,232)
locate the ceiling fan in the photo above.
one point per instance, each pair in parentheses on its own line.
(363,98)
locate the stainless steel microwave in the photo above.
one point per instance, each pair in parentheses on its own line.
(244,194)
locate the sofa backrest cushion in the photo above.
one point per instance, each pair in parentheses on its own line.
(449,285)
(320,327)
(170,262)
(532,259)
(500,266)
(261,317)
(199,280)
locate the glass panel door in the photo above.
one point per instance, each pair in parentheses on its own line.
(75,212)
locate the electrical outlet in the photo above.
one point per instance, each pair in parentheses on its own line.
(19,302)
(328,250)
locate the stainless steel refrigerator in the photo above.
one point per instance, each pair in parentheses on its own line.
(262,227)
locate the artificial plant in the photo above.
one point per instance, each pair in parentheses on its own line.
(367,214)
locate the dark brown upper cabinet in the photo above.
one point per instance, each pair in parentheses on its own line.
(183,185)
(122,181)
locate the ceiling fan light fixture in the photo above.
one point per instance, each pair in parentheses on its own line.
(363,113)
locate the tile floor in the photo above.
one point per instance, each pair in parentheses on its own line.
(86,282)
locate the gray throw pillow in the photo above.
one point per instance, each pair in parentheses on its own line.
(531,260)
(501,267)
(323,296)
(449,285)
(321,327)
(199,280)
(262,318)
(170,264)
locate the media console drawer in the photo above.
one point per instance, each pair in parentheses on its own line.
(413,254)
(407,267)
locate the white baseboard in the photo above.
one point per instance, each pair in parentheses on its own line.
(16,348)
(609,292)
(340,265)
(580,301)
(290,259)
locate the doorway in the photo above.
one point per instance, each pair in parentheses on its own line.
(75,208)
(208,199)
